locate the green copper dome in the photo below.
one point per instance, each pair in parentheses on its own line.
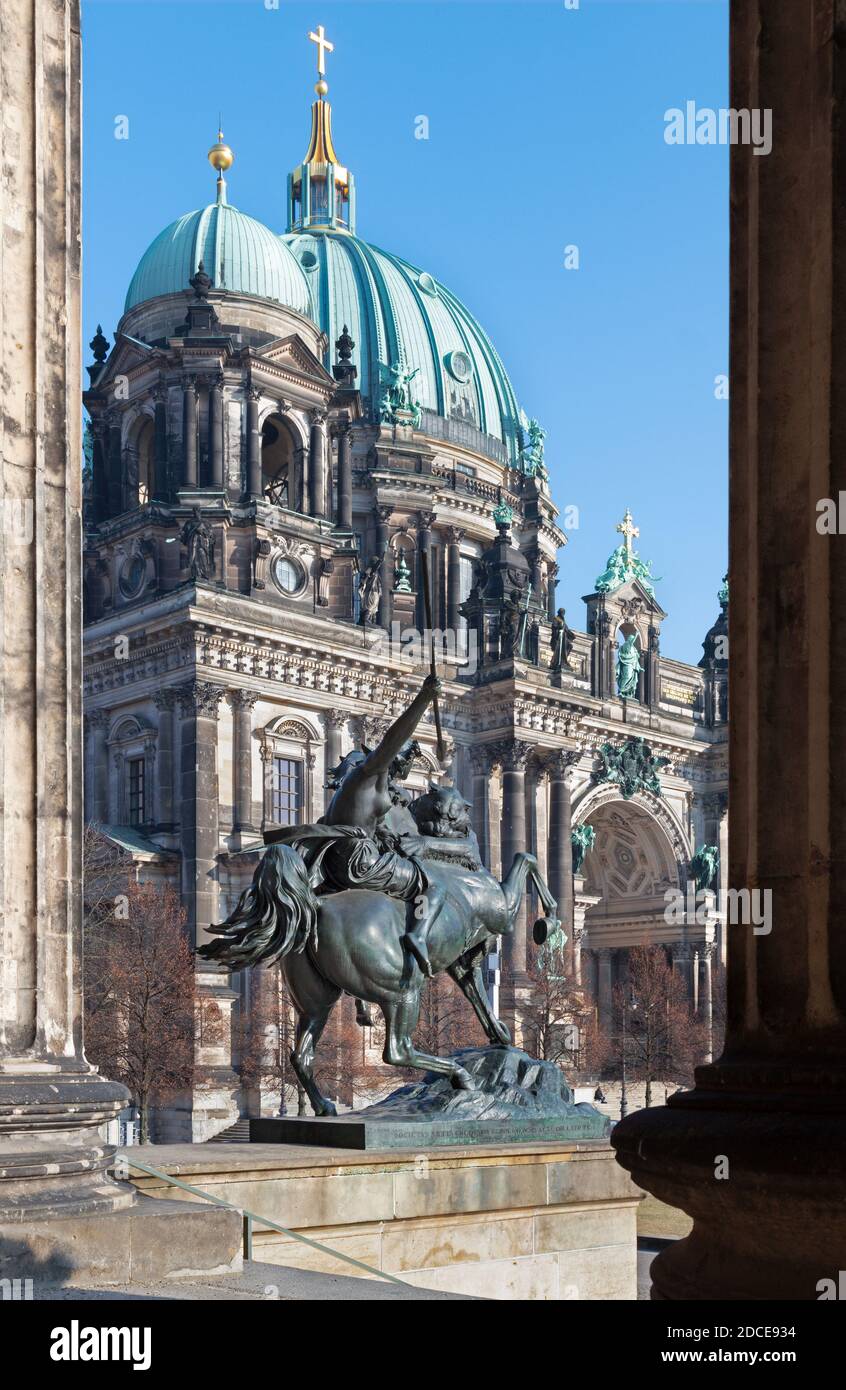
(403,317)
(239,254)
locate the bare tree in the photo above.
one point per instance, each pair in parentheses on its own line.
(141,1011)
(655,1034)
(559,1023)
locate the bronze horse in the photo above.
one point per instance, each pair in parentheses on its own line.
(354,941)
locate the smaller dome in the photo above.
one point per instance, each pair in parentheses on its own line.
(239,253)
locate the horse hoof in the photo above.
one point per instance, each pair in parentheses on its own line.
(462,1080)
(327,1109)
(540,931)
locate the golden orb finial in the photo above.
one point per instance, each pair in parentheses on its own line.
(220,155)
(321,87)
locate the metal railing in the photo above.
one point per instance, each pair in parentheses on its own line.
(249,1217)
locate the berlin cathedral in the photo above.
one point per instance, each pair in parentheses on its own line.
(287,432)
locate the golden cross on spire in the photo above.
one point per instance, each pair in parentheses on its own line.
(323,47)
(628,531)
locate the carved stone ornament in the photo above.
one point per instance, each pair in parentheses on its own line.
(632,768)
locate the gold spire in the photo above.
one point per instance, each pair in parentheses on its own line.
(220,155)
(221,158)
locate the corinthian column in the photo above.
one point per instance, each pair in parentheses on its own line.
(53,1161)
(560,855)
(514,755)
(774,1104)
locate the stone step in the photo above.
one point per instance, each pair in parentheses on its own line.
(237,1133)
(256,1282)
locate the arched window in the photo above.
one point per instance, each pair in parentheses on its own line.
(277,463)
(143,491)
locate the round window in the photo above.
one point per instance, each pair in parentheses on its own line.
(459,365)
(288,574)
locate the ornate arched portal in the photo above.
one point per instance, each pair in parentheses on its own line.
(640,851)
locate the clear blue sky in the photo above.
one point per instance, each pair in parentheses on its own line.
(546,130)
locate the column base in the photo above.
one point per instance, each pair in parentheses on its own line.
(53,1161)
(761,1169)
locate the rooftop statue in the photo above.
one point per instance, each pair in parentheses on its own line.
(625,564)
(373,898)
(629,667)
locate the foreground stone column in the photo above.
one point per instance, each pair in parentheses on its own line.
(52,1160)
(774,1104)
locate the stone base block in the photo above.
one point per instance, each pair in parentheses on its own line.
(153,1240)
(534,1221)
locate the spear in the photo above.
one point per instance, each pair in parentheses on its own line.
(427,605)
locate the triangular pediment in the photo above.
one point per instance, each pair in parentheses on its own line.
(294,354)
(125,356)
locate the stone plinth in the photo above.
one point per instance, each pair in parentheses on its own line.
(153,1241)
(527,1221)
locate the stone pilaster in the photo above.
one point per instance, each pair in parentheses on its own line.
(335,723)
(96,766)
(52,1102)
(243,702)
(774,1104)
(189,434)
(254,487)
(343,511)
(216,432)
(386,602)
(199,704)
(166,781)
(482,763)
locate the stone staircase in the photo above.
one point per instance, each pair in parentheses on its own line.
(237,1133)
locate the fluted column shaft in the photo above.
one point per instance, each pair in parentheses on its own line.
(166,705)
(454,538)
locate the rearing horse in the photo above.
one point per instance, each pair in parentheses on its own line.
(353,941)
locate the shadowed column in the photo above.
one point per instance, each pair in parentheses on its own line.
(774,1104)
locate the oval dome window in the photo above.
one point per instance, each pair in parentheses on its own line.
(459,365)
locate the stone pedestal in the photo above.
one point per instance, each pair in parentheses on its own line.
(523,1221)
(756,1153)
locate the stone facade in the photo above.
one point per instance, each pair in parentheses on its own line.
(230,698)
(262,506)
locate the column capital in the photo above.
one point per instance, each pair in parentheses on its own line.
(483,759)
(513,754)
(426,520)
(558,761)
(97,718)
(166,698)
(336,718)
(242,699)
(455,534)
(200,698)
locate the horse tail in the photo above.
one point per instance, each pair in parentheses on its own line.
(275,915)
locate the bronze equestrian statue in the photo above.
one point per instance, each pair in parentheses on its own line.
(372,899)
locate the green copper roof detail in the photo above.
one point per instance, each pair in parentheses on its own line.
(401,316)
(240,255)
